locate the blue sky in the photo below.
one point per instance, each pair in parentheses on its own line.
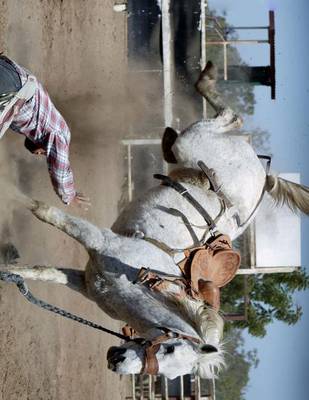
(283,372)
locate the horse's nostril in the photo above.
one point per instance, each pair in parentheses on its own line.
(118,359)
(208,348)
(110,351)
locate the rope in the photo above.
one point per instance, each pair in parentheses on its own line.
(24,290)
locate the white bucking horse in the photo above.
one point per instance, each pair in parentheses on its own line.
(182,335)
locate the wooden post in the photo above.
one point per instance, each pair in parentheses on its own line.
(239,41)
(197,388)
(164,388)
(182,395)
(168,57)
(133,387)
(141,387)
(266,270)
(130,189)
(152,393)
(203,46)
(225,60)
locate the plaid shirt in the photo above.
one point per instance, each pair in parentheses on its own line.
(40,121)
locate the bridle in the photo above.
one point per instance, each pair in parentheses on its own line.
(150,364)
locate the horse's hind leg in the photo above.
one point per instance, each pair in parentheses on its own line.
(206,87)
(226,118)
(83,231)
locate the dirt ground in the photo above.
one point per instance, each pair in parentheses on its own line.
(77,49)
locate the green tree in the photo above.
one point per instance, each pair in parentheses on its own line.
(234,379)
(270,297)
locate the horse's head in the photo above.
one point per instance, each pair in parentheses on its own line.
(175,356)
(171,358)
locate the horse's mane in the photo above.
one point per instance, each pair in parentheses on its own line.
(209,325)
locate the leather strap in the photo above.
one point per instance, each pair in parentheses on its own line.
(205,270)
(185,193)
(150,361)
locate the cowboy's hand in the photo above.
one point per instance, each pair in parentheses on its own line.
(81,201)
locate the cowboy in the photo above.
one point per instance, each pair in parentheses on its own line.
(26,108)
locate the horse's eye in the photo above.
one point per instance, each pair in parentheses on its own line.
(169,349)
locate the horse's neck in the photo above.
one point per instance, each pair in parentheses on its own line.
(113,272)
(147,312)
(170,318)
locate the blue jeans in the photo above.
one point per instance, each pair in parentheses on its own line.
(9,78)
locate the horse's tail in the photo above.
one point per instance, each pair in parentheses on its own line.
(285,192)
(72,278)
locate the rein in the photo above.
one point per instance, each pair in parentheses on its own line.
(24,290)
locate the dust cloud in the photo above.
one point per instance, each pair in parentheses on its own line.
(79,54)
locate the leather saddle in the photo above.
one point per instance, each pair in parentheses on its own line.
(205,270)
(211,267)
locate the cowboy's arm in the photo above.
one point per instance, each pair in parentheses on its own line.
(60,170)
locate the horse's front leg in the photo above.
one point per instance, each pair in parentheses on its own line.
(83,231)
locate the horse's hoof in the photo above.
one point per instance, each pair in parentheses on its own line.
(168,139)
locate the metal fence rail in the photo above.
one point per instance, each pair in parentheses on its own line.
(147,387)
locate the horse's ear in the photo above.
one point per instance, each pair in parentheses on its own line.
(208,348)
(168,139)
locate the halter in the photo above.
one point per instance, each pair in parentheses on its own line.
(150,362)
